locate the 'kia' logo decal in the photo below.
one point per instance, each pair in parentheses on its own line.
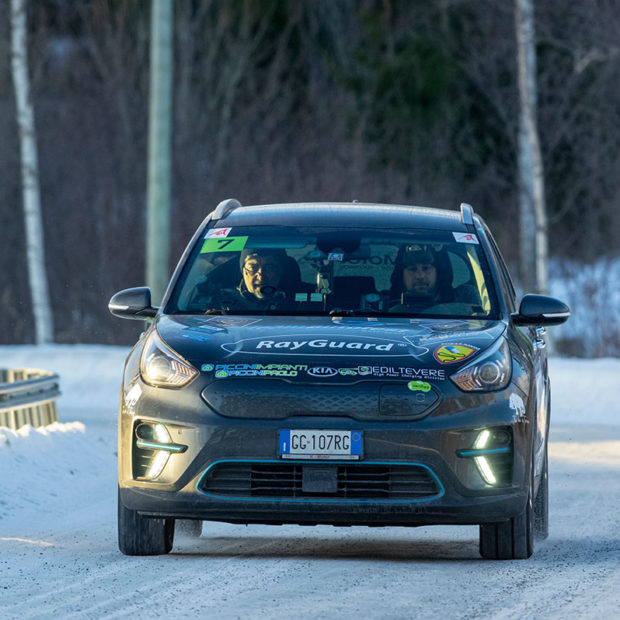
(322,371)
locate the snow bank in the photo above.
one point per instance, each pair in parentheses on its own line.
(48,471)
(593,294)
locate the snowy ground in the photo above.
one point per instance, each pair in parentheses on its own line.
(58,553)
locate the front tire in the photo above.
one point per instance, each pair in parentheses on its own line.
(512,539)
(139,535)
(509,540)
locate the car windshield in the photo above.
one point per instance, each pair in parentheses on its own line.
(335,272)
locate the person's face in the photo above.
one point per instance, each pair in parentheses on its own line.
(420,278)
(260,272)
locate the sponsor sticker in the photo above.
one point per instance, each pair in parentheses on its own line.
(419,386)
(195,335)
(231,321)
(465,238)
(300,344)
(347,372)
(215,233)
(227,244)
(339,256)
(132,397)
(322,371)
(258,370)
(207,367)
(397,372)
(451,353)
(301,296)
(517,405)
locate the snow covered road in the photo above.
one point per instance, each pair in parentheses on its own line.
(58,552)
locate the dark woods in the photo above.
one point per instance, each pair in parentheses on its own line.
(290,100)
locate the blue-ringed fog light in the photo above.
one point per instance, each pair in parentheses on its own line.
(158,464)
(156,437)
(153,447)
(482,440)
(492,454)
(485,469)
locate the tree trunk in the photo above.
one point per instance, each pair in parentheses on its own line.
(160,115)
(35,252)
(532,184)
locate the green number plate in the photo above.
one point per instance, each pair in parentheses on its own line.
(225,244)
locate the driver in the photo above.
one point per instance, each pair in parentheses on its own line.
(262,271)
(262,287)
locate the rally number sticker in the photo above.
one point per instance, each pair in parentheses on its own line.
(226,244)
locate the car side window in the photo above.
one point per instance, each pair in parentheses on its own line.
(506,281)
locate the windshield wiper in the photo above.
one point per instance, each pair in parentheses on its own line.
(340,312)
(365,312)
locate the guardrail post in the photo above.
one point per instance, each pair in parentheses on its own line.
(28,396)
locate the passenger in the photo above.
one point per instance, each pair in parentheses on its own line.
(420,284)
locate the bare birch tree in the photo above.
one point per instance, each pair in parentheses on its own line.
(30,176)
(533,249)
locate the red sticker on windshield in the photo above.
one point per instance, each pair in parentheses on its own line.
(216,233)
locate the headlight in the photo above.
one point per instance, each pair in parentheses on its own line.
(162,367)
(490,372)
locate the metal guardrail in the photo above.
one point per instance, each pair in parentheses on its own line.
(28,396)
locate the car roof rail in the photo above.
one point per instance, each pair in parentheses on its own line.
(226,207)
(467,214)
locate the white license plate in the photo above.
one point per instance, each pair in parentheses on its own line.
(320,444)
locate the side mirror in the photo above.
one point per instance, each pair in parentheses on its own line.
(132,303)
(541,310)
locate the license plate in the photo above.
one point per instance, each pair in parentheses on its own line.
(320,445)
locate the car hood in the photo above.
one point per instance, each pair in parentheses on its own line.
(317,347)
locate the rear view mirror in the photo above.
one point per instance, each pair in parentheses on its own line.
(541,310)
(132,303)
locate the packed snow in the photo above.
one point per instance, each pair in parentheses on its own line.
(59,557)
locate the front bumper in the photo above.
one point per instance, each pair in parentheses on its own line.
(435,444)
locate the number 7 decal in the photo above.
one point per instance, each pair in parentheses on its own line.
(227,244)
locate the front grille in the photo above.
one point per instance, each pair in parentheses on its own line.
(371,482)
(276,399)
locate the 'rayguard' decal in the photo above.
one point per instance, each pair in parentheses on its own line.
(320,345)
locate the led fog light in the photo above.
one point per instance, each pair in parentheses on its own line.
(153,446)
(492,454)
